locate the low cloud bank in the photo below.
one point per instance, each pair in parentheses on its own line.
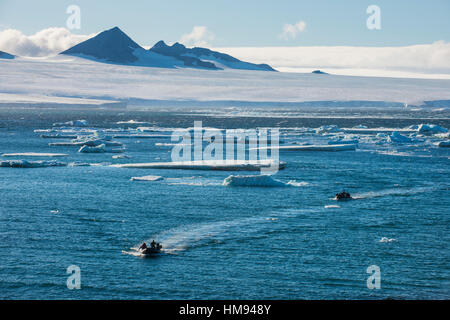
(46,42)
(428,60)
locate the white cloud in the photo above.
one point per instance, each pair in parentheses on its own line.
(46,42)
(290,31)
(200,36)
(416,60)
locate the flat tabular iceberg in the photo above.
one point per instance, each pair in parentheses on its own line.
(34,154)
(222,165)
(252,181)
(147,178)
(31,164)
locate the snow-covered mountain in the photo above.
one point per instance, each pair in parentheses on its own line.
(199,55)
(5,55)
(114,46)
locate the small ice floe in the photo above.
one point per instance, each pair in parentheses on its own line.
(386,239)
(34,154)
(141,136)
(396,137)
(147,178)
(343,141)
(444,144)
(58,136)
(121,156)
(296,183)
(252,181)
(331,206)
(132,122)
(79,164)
(328,128)
(313,147)
(31,164)
(221,165)
(360,126)
(91,142)
(74,123)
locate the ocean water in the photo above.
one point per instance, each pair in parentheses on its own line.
(222,242)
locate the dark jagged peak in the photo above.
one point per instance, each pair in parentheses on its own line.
(179,51)
(319,72)
(218,59)
(112,45)
(5,55)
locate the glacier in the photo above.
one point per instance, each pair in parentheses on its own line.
(70,80)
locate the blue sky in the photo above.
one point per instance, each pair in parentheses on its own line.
(244,23)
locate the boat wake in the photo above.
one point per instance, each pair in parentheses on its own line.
(394,192)
(201,234)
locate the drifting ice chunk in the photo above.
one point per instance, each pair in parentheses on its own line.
(57,136)
(328,128)
(444,144)
(313,147)
(386,239)
(223,165)
(252,181)
(341,141)
(141,136)
(431,129)
(31,164)
(121,156)
(86,142)
(98,149)
(396,137)
(75,123)
(147,178)
(34,154)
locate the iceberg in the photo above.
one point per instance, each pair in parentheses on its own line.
(431,129)
(74,123)
(396,137)
(221,165)
(34,154)
(147,178)
(252,181)
(444,144)
(31,164)
(98,149)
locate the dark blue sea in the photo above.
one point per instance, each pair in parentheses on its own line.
(222,242)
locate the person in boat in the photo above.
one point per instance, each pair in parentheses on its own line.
(143,246)
(153,244)
(343,195)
